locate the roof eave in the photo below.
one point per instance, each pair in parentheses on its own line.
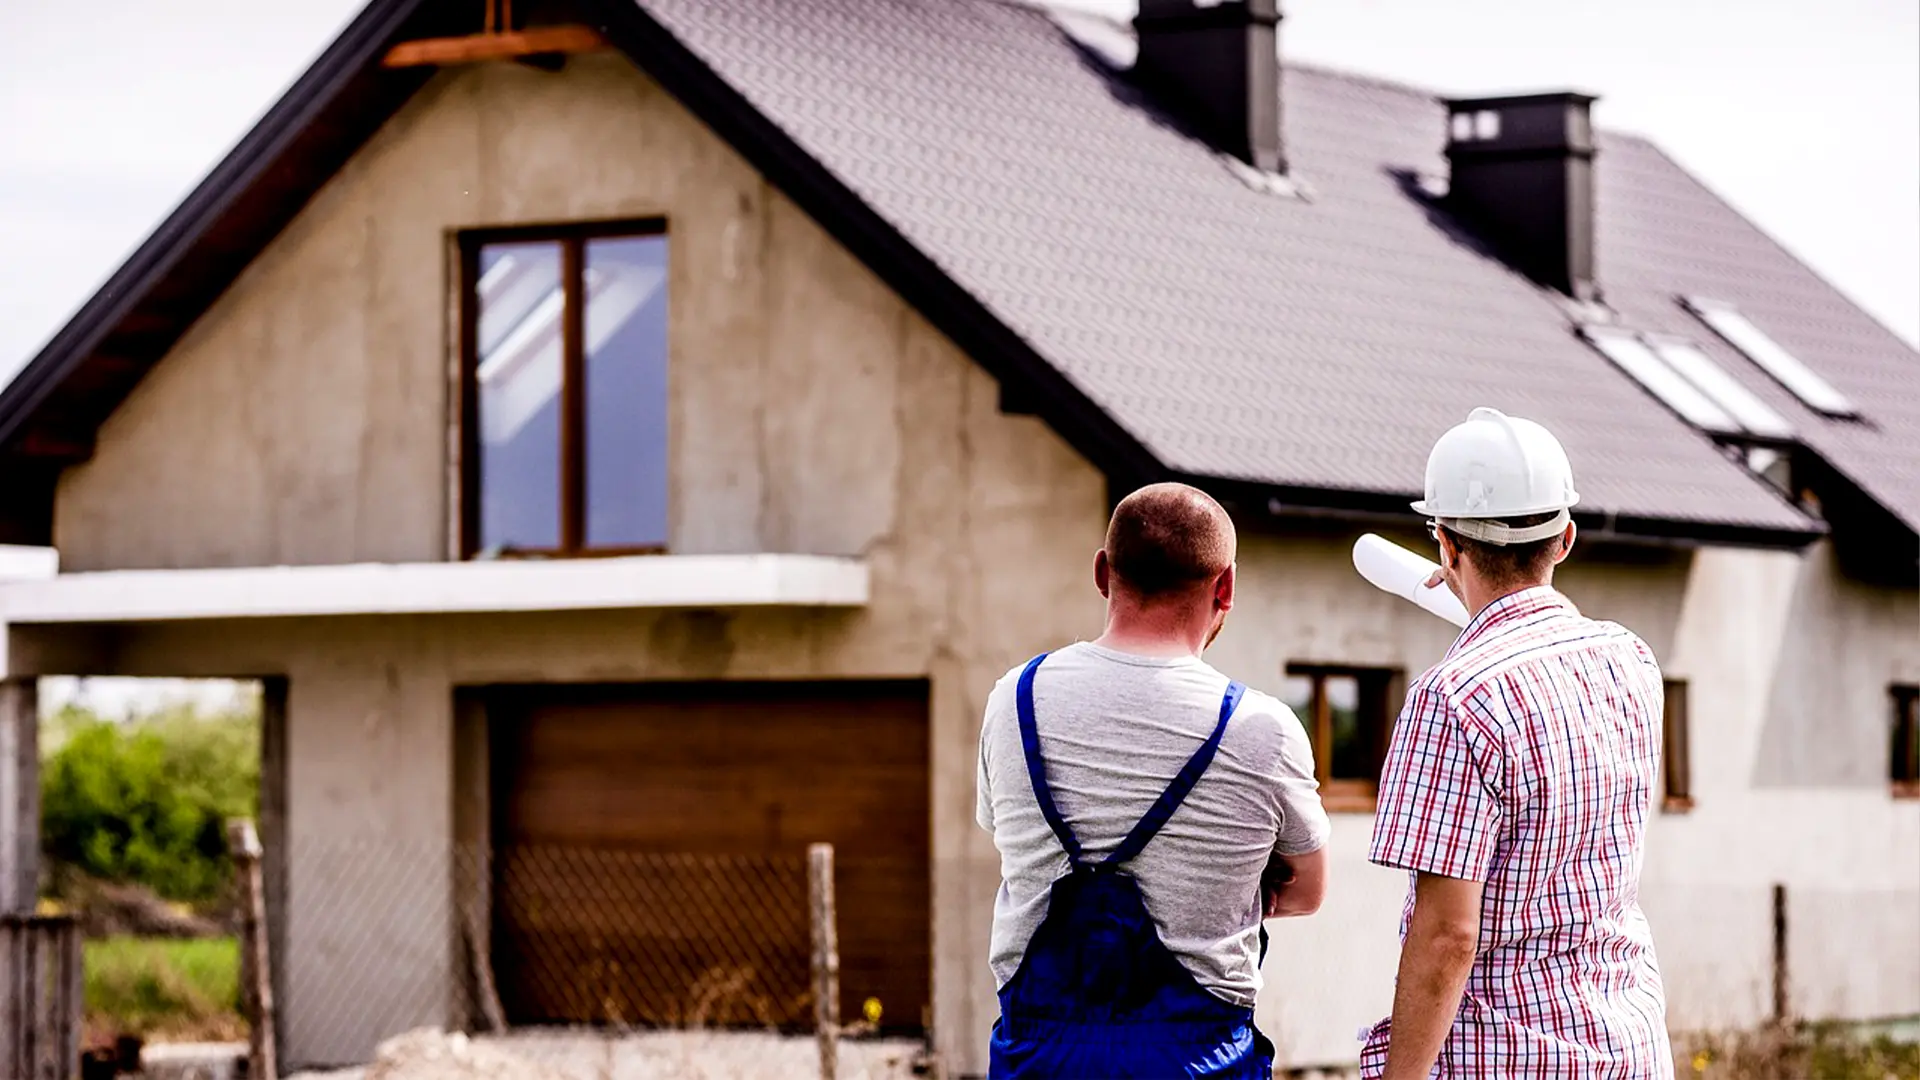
(346,58)
(1280,502)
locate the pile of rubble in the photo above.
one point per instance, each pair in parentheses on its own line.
(434,1055)
(429,1054)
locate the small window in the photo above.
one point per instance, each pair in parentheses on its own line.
(1676,765)
(1786,368)
(1348,713)
(1905,758)
(566,391)
(1632,355)
(1774,465)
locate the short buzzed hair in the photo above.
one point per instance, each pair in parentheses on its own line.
(1511,565)
(1168,538)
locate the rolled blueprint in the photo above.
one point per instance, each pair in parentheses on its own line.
(1392,568)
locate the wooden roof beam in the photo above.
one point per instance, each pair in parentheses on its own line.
(54,448)
(541,45)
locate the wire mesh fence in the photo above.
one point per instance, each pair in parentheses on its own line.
(649,939)
(373,938)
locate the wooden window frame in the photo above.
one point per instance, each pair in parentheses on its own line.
(1676,749)
(1904,733)
(573,238)
(1346,795)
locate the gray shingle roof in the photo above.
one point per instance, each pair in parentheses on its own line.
(1323,342)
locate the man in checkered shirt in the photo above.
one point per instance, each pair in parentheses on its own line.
(1516,793)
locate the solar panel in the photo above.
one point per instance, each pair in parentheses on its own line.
(1740,332)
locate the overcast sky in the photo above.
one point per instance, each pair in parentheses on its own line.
(1805,115)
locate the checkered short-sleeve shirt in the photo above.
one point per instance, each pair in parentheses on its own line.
(1527,759)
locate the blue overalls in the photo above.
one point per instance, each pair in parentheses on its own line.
(1097,995)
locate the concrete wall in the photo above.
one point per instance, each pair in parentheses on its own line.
(1790,666)
(304,420)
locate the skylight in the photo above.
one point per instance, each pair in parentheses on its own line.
(1805,383)
(1632,355)
(1711,379)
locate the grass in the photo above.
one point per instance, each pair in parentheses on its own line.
(163,989)
(1819,1051)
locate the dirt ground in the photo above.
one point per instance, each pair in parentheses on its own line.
(680,1055)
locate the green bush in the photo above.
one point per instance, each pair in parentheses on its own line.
(146,800)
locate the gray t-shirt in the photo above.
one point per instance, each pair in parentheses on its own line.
(1114,730)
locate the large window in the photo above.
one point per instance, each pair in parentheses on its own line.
(1348,713)
(1676,767)
(565,411)
(1905,758)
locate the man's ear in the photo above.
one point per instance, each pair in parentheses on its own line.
(1566,541)
(1102,573)
(1223,588)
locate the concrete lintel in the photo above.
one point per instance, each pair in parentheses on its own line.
(644,581)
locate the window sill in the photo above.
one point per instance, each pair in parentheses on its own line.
(1677,804)
(1906,789)
(550,554)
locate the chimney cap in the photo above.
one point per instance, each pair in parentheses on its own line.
(1501,101)
(1559,121)
(1184,14)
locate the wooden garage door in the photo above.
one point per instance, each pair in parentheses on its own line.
(650,851)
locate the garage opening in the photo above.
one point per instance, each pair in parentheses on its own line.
(649,851)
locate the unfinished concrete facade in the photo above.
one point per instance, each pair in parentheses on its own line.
(306,420)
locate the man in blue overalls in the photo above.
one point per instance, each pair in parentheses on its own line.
(1148,813)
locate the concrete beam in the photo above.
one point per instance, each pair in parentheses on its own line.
(19,796)
(507,585)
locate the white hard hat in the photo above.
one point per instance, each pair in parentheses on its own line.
(1498,466)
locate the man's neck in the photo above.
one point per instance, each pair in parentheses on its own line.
(1148,633)
(1479,599)
(1156,647)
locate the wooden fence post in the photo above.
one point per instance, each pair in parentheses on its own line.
(826,958)
(67,994)
(14,981)
(40,997)
(1782,988)
(244,844)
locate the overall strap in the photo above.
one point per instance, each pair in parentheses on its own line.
(1182,785)
(1037,768)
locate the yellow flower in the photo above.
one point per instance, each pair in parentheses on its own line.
(871,1010)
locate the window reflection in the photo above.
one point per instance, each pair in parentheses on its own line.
(518,375)
(626,392)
